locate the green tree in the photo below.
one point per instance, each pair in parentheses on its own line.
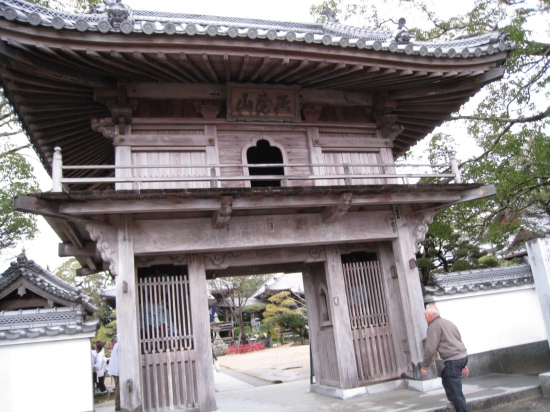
(285,313)
(91,285)
(16,176)
(509,126)
(236,291)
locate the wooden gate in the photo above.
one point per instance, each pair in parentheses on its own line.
(167,343)
(371,330)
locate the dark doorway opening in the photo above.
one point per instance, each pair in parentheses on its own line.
(264,153)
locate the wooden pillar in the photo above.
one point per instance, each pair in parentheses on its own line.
(312,299)
(201,331)
(127,319)
(404,248)
(123,157)
(338,306)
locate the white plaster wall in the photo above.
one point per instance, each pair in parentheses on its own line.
(539,260)
(495,319)
(46,376)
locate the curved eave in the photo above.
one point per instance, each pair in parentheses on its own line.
(51,76)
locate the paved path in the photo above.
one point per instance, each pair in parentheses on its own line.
(242,393)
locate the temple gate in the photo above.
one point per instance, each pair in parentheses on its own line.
(214,146)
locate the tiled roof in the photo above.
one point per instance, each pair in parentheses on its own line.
(120,18)
(292,282)
(480,279)
(50,284)
(36,323)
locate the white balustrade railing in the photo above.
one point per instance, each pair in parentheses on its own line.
(212,174)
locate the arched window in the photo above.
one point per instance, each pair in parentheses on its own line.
(264,153)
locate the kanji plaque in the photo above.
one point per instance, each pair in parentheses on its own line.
(253,102)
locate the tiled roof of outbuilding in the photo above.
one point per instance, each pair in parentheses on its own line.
(50,284)
(480,279)
(49,322)
(120,18)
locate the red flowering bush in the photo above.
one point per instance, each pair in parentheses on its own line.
(244,348)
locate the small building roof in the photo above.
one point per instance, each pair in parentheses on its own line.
(48,322)
(480,279)
(293,282)
(25,277)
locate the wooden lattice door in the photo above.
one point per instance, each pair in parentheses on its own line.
(369,321)
(167,343)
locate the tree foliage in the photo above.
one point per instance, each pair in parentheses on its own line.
(91,285)
(509,125)
(236,291)
(285,313)
(16,176)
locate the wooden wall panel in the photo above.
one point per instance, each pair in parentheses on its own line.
(184,158)
(231,144)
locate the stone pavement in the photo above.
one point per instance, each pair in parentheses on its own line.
(497,392)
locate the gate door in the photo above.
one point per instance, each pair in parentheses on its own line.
(167,343)
(372,334)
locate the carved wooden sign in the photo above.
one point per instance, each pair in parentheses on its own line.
(253,102)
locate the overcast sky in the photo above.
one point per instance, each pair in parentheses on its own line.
(44,249)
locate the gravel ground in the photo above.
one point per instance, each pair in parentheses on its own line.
(286,363)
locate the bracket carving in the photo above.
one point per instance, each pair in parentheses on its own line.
(106,243)
(208,110)
(333,213)
(218,259)
(223,214)
(420,222)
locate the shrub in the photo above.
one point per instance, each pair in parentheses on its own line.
(244,348)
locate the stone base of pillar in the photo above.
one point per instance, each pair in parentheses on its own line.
(424,386)
(544,379)
(421,386)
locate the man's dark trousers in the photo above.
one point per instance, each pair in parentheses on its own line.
(451,377)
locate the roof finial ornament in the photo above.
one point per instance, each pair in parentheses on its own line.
(331,15)
(22,258)
(117,12)
(401,23)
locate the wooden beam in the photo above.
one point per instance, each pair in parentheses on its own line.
(157,67)
(320,66)
(226,68)
(221,216)
(299,67)
(70,250)
(255,73)
(335,97)
(275,69)
(210,68)
(321,78)
(246,203)
(184,59)
(333,213)
(172,91)
(165,61)
(247,232)
(244,64)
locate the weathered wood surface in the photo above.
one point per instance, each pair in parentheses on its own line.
(395,308)
(338,306)
(404,248)
(244,203)
(127,314)
(192,235)
(370,324)
(201,329)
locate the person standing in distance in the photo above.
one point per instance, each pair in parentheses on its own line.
(444,338)
(113,371)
